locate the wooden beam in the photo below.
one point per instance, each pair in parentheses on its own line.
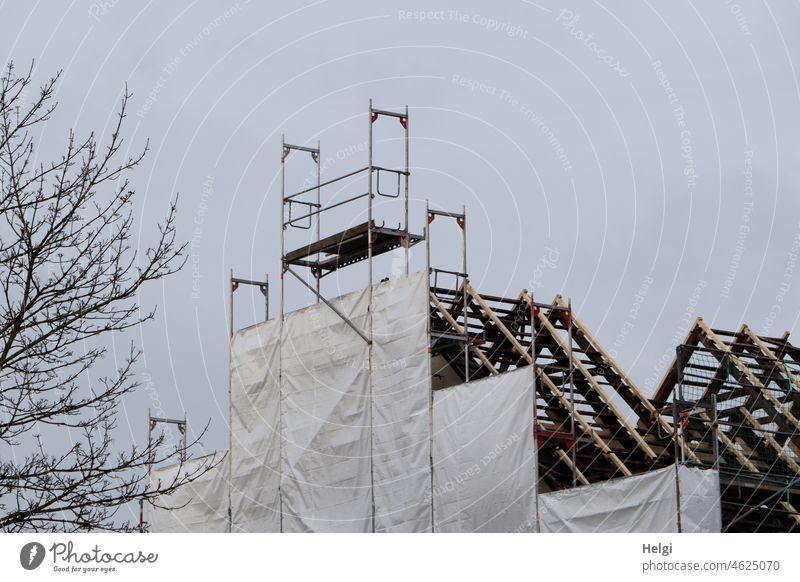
(745,371)
(443,310)
(598,389)
(598,440)
(669,380)
(764,348)
(601,444)
(576,323)
(565,458)
(607,357)
(744,461)
(768,437)
(500,325)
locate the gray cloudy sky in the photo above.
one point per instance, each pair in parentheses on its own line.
(641,158)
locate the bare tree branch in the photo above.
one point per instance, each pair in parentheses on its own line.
(69,276)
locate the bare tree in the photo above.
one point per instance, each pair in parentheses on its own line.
(68,280)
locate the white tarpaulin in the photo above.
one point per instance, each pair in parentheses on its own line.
(331,434)
(326,481)
(324,418)
(700,500)
(645,503)
(483,468)
(255,428)
(401,396)
(199,506)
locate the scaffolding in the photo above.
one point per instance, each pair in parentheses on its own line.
(584,421)
(361,242)
(592,422)
(233,285)
(732,399)
(152,424)
(583,402)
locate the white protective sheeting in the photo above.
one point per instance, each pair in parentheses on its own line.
(645,503)
(401,401)
(483,455)
(326,481)
(197,507)
(331,434)
(700,500)
(255,428)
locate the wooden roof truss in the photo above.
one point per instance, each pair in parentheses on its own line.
(751,384)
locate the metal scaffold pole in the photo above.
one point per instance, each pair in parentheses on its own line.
(282,218)
(675,436)
(538,524)
(371,119)
(571,372)
(286,149)
(230,392)
(230,304)
(463,224)
(430,349)
(715,432)
(318,274)
(408,177)
(280,329)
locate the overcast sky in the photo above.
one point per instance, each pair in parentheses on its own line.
(641,158)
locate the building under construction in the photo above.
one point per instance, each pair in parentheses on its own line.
(419,403)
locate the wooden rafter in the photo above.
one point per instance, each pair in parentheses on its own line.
(565,458)
(502,338)
(607,400)
(748,362)
(460,330)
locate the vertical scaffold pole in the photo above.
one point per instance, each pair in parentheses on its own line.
(537,524)
(184,434)
(370,119)
(408,177)
(572,396)
(715,432)
(149,465)
(675,427)
(230,304)
(463,226)
(281,217)
(149,440)
(427,224)
(280,328)
(230,394)
(428,239)
(319,213)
